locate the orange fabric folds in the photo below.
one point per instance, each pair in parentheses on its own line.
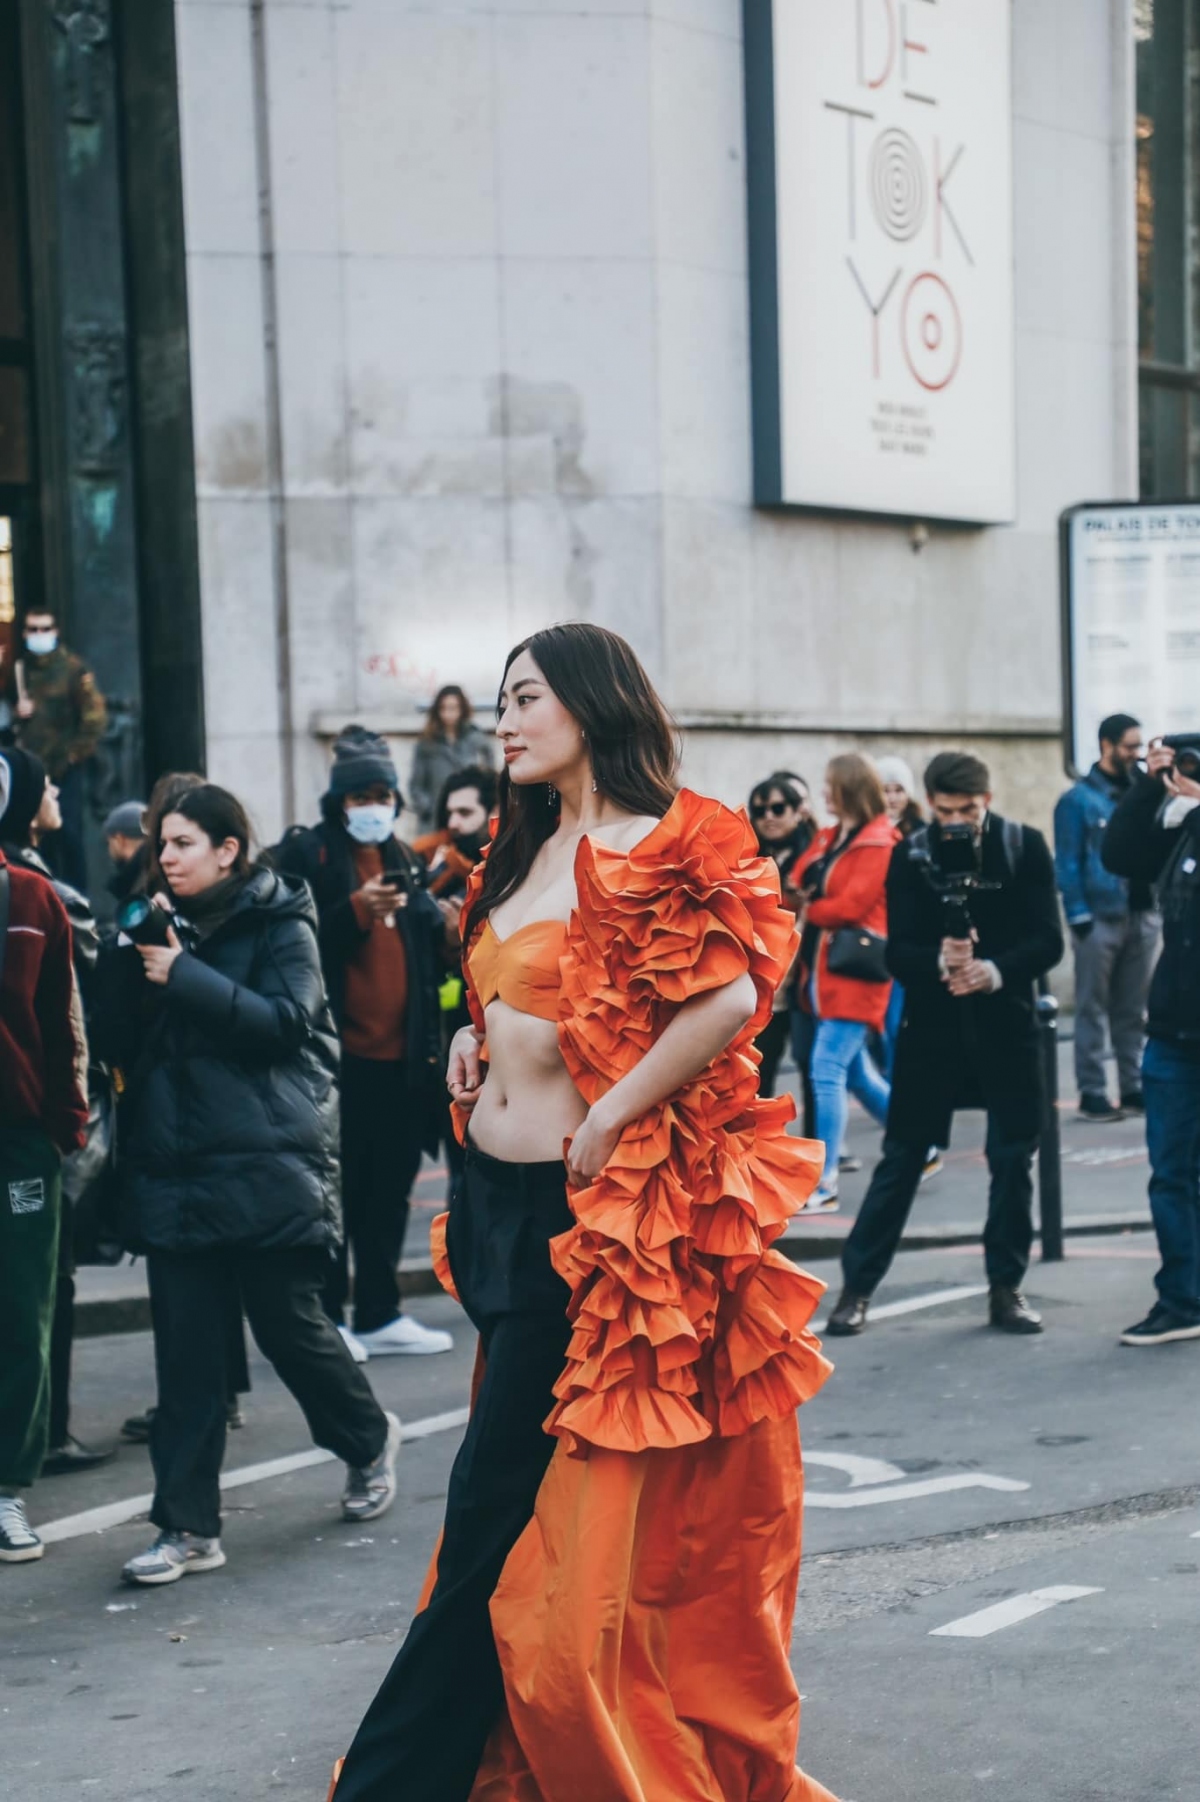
(644,1617)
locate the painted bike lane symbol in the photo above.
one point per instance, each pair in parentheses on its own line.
(874,1480)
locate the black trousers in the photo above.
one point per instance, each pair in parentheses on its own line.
(1007,1234)
(191,1297)
(62,1340)
(381,1154)
(425,1732)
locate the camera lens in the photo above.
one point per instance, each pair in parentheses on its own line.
(1187,763)
(133,914)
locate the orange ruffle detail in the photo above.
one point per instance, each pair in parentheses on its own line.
(685,1323)
(441,1257)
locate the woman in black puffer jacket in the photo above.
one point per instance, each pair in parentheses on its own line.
(227,1150)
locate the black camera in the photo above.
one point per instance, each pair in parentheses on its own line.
(952,860)
(140,920)
(1186,746)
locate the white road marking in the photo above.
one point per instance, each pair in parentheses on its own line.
(1008,1613)
(859,1470)
(115,1514)
(914,1304)
(906,1492)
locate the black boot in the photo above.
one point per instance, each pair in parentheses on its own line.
(849,1317)
(72,1454)
(1011,1312)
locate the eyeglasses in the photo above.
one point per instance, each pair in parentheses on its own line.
(776,809)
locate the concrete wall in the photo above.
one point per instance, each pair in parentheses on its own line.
(512,385)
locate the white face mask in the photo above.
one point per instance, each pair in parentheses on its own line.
(40,644)
(371,825)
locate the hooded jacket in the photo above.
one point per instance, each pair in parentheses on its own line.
(228,1126)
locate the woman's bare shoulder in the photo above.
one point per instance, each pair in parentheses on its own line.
(627,833)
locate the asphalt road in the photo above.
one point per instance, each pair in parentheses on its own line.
(951,1471)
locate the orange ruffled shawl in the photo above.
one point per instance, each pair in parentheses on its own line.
(643,1619)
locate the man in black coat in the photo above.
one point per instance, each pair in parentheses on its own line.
(968,1037)
(380,936)
(1154,837)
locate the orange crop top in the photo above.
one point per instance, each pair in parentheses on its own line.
(523,969)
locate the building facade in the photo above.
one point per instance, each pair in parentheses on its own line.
(463,302)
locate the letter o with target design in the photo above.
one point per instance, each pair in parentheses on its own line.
(931,333)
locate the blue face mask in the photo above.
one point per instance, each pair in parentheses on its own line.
(371,825)
(40,644)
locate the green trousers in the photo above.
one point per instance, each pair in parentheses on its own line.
(30,1206)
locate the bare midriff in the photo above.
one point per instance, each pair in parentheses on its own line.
(528,1104)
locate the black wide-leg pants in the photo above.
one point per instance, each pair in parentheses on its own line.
(191,1298)
(425,1732)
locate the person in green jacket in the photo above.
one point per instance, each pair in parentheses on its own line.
(61,717)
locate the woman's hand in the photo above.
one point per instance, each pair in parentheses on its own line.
(157,959)
(464,1071)
(592,1146)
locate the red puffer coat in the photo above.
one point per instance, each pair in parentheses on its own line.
(855,895)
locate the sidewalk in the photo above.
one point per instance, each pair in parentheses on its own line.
(1104,1191)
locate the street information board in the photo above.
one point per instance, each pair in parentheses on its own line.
(1131,619)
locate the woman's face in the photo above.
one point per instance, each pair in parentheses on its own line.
(775,818)
(896,798)
(48,817)
(190,861)
(541,741)
(449,711)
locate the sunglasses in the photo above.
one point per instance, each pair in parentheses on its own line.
(776,809)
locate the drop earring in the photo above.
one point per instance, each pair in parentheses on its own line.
(551,795)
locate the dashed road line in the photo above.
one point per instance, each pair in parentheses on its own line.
(1011,1611)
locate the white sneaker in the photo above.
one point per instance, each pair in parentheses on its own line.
(404,1335)
(370,1492)
(355,1347)
(821,1201)
(19,1544)
(174,1555)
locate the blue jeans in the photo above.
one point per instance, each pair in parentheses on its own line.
(1171,1083)
(840,1063)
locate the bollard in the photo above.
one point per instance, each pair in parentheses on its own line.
(1050,1145)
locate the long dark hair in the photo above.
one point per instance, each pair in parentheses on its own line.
(219,816)
(433,727)
(630,737)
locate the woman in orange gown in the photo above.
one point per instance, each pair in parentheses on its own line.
(608,1614)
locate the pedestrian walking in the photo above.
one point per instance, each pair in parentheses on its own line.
(381,936)
(61,717)
(32,813)
(780,810)
(1113,925)
(1154,838)
(844,982)
(624,943)
(43,1113)
(217,1019)
(904,811)
(972,923)
(449,743)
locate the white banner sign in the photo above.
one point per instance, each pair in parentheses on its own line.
(880,159)
(1131,619)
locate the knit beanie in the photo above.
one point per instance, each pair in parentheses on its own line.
(126,821)
(360,758)
(27,785)
(895,770)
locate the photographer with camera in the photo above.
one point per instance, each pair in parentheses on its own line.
(1154,837)
(213,1010)
(972,923)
